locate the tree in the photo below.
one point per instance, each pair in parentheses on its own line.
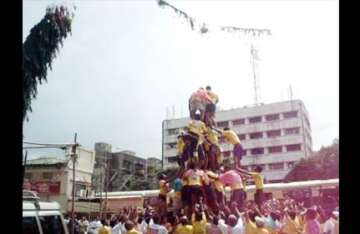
(323,164)
(40,48)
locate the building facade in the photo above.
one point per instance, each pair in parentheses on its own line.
(275,136)
(52,177)
(127,165)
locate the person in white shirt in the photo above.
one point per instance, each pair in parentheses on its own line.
(331,225)
(221,223)
(94,226)
(235,225)
(116,229)
(156,227)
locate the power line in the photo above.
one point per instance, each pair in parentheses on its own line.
(45,147)
(33,143)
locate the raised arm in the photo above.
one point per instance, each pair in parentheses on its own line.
(243,172)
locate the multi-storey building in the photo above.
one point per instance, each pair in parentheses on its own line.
(52,178)
(275,136)
(126,165)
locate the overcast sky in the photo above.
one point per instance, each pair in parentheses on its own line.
(126,62)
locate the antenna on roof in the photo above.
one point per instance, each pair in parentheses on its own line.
(291,96)
(255,58)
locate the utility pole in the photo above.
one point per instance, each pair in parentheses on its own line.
(106,181)
(24,165)
(74,156)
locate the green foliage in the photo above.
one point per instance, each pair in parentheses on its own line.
(323,164)
(40,48)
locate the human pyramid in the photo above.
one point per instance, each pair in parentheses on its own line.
(202,176)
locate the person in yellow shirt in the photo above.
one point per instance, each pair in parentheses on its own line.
(249,220)
(180,151)
(211,107)
(291,223)
(196,136)
(212,149)
(130,228)
(219,190)
(259,183)
(260,226)
(233,139)
(213,96)
(164,189)
(104,229)
(199,222)
(194,180)
(184,227)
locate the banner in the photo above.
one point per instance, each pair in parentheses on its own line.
(44,187)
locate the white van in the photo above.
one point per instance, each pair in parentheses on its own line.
(41,217)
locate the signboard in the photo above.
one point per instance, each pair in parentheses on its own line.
(47,187)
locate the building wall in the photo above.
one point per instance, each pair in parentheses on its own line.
(83,173)
(126,163)
(240,119)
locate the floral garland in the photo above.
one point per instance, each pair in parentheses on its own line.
(204,29)
(41,47)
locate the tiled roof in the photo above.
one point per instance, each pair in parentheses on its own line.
(48,160)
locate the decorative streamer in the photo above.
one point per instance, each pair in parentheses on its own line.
(204,29)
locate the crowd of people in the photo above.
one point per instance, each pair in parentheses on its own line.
(193,200)
(285,216)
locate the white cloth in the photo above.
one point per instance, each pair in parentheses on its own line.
(116,229)
(143,226)
(157,229)
(237,229)
(330,226)
(122,228)
(222,226)
(94,227)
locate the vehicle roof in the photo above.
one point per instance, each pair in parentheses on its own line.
(31,205)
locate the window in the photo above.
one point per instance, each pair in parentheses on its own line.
(223,124)
(78,188)
(226,153)
(290,164)
(257,151)
(272,117)
(276,166)
(238,121)
(292,131)
(28,175)
(273,133)
(170,145)
(256,135)
(244,152)
(47,175)
(295,147)
(256,119)
(51,224)
(275,149)
(29,225)
(290,114)
(172,159)
(126,164)
(242,136)
(172,131)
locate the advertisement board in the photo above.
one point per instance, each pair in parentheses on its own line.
(48,187)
